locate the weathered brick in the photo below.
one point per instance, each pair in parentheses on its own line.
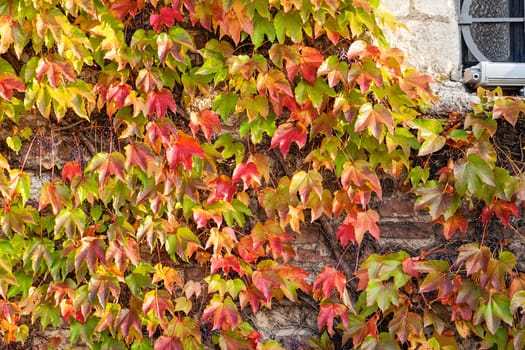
(397,207)
(407,230)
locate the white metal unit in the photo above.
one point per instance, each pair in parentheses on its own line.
(492,74)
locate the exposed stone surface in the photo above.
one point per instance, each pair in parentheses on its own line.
(399,8)
(444,8)
(453,97)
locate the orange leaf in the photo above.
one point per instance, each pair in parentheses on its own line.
(286,134)
(8,83)
(225,314)
(207,121)
(183,150)
(327,280)
(71,170)
(328,312)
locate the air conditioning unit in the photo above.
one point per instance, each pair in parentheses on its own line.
(508,75)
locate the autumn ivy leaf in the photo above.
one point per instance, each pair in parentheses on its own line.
(366,221)
(414,84)
(9,82)
(405,324)
(54,194)
(165,342)
(106,164)
(56,71)
(248,173)
(305,183)
(327,312)
(328,279)
(364,74)
(276,86)
(431,144)
(225,104)
(345,232)
(373,117)
(455,223)
(381,294)
(494,311)
(287,133)
(224,312)
(91,251)
(71,170)
(476,258)
(183,150)
(207,121)
(138,154)
(472,174)
(501,208)
(158,302)
(438,199)
(127,7)
(509,108)
(158,103)
(334,70)
(165,17)
(183,242)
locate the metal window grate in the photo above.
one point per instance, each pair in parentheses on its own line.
(498,26)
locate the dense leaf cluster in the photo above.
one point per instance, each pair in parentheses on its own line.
(194,184)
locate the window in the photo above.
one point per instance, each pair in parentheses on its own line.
(492,30)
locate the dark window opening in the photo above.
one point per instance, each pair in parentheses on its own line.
(492,30)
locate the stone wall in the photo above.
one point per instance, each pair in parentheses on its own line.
(431,38)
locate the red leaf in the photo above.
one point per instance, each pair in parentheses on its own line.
(71,170)
(225,313)
(168,343)
(125,7)
(453,224)
(55,71)
(222,189)
(310,61)
(346,233)
(158,103)
(286,134)
(253,296)
(327,280)
(138,154)
(226,263)
(328,312)
(182,151)
(128,320)
(275,84)
(8,83)
(166,16)
(207,121)
(107,164)
(90,251)
(248,173)
(157,301)
(116,96)
(502,209)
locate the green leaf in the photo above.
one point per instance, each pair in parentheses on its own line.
(382,294)
(225,104)
(472,175)
(14,142)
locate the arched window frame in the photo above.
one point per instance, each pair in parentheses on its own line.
(517,39)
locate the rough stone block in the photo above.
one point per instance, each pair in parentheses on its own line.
(399,8)
(445,8)
(431,46)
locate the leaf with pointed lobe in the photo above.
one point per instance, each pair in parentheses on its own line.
(286,134)
(509,108)
(373,117)
(415,84)
(502,209)
(328,279)
(138,154)
(158,103)
(208,121)
(51,194)
(9,82)
(224,312)
(55,71)
(248,173)
(91,251)
(165,17)
(158,302)
(127,7)
(438,199)
(276,86)
(182,151)
(71,170)
(328,312)
(455,223)
(107,164)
